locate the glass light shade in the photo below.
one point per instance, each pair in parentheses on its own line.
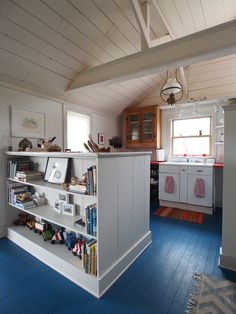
(172,86)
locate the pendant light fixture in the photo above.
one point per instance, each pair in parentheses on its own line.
(172,90)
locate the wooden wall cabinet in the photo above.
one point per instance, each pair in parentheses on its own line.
(143,127)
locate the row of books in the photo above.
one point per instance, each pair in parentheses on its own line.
(18,195)
(18,165)
(91,219)
(92,180)
(89,186)
(89,257)
(28,175)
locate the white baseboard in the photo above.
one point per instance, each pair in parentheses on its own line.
(196,208)
(227,262)
(3,232)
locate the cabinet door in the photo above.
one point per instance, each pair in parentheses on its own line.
(148,130)
(183,185)
(173,197)
(133,127)
(202,201)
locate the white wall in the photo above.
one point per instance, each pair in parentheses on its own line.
(54,112)
(187,112)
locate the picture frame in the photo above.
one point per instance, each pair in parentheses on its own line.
(27,124)
(58,206)
(56,170)
(101,139)
(68,209)
(64,197)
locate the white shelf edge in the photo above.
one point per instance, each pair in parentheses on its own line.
(56,256)
(46,212)
(219,126)
(48,185)
(219,143)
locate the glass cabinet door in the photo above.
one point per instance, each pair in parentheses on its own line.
(147,125)
(133,122)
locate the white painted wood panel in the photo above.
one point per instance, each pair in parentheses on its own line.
(138,197)
(185,15)
(183,184)
(197,14)
(107,188)
(125,205)
(208,7)
(103,23)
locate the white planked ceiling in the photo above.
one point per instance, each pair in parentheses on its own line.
(45,43)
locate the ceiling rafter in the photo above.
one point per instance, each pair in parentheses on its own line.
(214,42)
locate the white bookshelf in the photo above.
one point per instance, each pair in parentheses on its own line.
(122,199)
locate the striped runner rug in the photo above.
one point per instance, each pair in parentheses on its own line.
(181,214)
(210,295)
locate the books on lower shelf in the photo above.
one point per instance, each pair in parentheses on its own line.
(20,196)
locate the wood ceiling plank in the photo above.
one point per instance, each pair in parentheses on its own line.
(12,71)
(33,56)
(73,16)
(217,73)
(171,15)
(210,6)
(229,10)
(185,16)
(214,92)
(214,82)
(97,17)
(120,21)
(28,21)
(197,14)
(29,39)
(30,67)
(93,53)
(219,65)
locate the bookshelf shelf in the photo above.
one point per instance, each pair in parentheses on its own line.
(122,215)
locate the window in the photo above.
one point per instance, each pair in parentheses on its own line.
(191,136)
(78,130)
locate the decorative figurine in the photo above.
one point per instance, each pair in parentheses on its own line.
(58,236)
(77,250)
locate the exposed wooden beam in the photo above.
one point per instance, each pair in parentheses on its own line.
(211,43)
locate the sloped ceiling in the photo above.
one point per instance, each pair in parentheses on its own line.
(45,43)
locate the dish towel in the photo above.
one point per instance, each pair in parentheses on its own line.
(199,189)
(169,184)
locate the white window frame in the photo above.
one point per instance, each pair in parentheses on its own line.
(72,109)
(193,136)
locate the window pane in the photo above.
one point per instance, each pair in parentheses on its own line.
(191,127)
(78,130)
(191,146)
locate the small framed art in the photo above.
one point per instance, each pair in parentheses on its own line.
(69,209)
(101,138)
(56,170)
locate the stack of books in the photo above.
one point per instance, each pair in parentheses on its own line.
(15,189)
(28,175)
(92,180)
(26,204)
(77,188)
(18,165)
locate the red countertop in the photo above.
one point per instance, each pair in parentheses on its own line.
(218,165)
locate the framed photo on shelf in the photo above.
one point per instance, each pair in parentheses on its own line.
(57,206)
(56,170)
(64,197)
(68,209)
(101,138)
(25,123)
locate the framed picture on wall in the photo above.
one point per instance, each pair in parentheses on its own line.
(25,123)
(101,138)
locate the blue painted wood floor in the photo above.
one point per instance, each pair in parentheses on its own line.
(157,282)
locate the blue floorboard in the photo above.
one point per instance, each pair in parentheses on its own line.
(158,282)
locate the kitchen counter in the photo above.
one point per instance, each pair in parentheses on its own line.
(179,163)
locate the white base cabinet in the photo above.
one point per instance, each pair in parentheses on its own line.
(185,178)
(123,207)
